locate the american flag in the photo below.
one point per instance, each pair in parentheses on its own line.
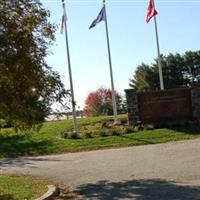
(101,17)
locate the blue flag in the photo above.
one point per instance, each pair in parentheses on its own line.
(101,17)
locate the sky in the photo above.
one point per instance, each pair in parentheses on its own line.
(132,40)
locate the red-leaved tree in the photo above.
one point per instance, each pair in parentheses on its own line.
(99,102)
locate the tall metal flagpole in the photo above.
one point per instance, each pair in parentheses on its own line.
(70,72)
(111,72)
(159,58)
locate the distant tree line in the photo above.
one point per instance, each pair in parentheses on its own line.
(178,71)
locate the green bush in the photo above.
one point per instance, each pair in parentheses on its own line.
(103,133)
(74,135)
(149,127)
(64,135)
(2,123)
(129,129)
(139,128)
(88,135)
(26,128)
(115,132)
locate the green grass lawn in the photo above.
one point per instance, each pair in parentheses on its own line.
(21,188)
(49,141)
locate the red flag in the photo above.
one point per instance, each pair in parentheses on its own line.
(151,12)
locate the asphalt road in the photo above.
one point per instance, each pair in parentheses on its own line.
(163,171)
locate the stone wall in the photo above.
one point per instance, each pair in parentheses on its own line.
(195,97)
(132,107)
(187,102)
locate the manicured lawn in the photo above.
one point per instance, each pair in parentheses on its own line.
(49,141)
(20,188)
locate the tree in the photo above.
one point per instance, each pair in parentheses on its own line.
(28,86)
(173,69)
(178,71)
(192,64)
(142,78)
(99,102)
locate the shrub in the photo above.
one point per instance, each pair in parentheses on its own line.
(103,134)
(115,132)
(26,128)
(2,123)
(37,127)
(129,129)
(149,127)
(64,135)
(88,134)
(74,135)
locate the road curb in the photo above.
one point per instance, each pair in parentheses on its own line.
(52,191)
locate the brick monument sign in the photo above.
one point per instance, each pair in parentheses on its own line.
(163,106)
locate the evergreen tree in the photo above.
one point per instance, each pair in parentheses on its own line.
(178,71)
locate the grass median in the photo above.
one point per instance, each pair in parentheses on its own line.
(49,140)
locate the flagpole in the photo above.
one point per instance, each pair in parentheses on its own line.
(111,71)
(70,72)
(159,58)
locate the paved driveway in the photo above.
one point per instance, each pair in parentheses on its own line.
(164,171)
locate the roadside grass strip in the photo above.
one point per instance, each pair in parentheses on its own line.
(21,188)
